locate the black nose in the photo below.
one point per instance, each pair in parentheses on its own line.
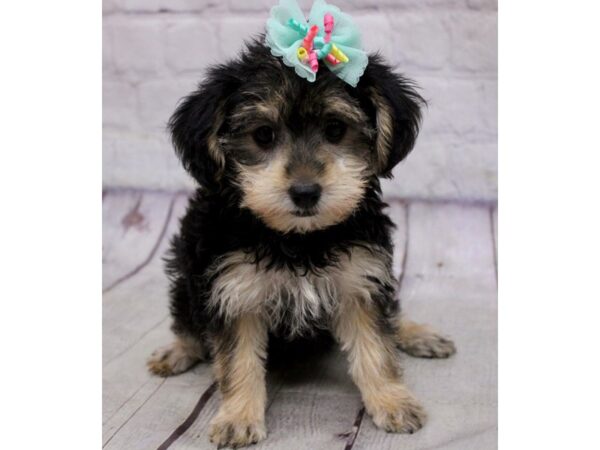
(305,195)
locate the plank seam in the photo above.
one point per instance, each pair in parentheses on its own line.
(126,401)
(150,256)
(355,429)
(133,414)
(494,231)
(133,344)
(206,395)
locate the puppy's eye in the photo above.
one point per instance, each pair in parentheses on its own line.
(335,130)
(264,136)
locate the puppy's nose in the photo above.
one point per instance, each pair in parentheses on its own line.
(305,195)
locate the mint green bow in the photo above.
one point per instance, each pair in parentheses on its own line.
(339,50)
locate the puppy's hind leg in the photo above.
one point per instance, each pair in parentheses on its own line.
(178,357)
(421,341)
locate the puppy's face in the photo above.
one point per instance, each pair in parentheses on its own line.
(301,154)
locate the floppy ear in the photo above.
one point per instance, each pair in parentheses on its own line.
(195,125)
(395,108)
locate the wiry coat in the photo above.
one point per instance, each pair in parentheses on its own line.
(215,225)
(252,262)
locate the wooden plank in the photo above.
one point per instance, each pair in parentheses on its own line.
(450,284)
(139,304)
(115,206)
(126,383)
(133,223)
(136,323)
(167,407)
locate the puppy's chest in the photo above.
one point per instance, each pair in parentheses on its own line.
(296,300)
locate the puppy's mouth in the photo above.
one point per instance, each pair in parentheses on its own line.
(305,213)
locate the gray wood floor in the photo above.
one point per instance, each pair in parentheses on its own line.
(446,254)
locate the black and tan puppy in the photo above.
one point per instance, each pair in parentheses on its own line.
(288,235)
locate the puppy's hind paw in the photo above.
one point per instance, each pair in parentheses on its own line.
(422,342)
(235,434)
(172,360)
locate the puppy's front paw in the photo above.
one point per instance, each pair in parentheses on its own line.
(406,417)
(229,432)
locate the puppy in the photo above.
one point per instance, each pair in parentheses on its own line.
(287,236)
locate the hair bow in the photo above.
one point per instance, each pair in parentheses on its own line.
(329,37)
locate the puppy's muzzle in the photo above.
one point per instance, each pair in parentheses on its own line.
(305,195)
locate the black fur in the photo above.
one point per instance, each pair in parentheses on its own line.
(215,224)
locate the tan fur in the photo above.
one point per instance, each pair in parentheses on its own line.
(385,128)
(243,287)
(267,111)
(421,341)
(177,357)
(239,368)
(345,107)
(266,186)
(374,369)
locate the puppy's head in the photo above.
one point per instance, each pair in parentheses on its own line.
(301,154)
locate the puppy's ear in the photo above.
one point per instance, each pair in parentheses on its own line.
(395,108)
(196,123)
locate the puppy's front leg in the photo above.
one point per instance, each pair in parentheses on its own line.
(371,350)
(240,354)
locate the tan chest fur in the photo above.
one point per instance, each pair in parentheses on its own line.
(295,298)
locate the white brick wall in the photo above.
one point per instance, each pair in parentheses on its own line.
(155,51)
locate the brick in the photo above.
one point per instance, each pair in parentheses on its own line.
(138,45)
(191,44)
(375,29)
(108,65)
(420,40)
(119,105)
(489,105)
(158,99)
(193,5)
(483,4)
(233,31)
(474,40)
(463,107)
(446,169)
(133,160)
(138,5)
(109,6)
